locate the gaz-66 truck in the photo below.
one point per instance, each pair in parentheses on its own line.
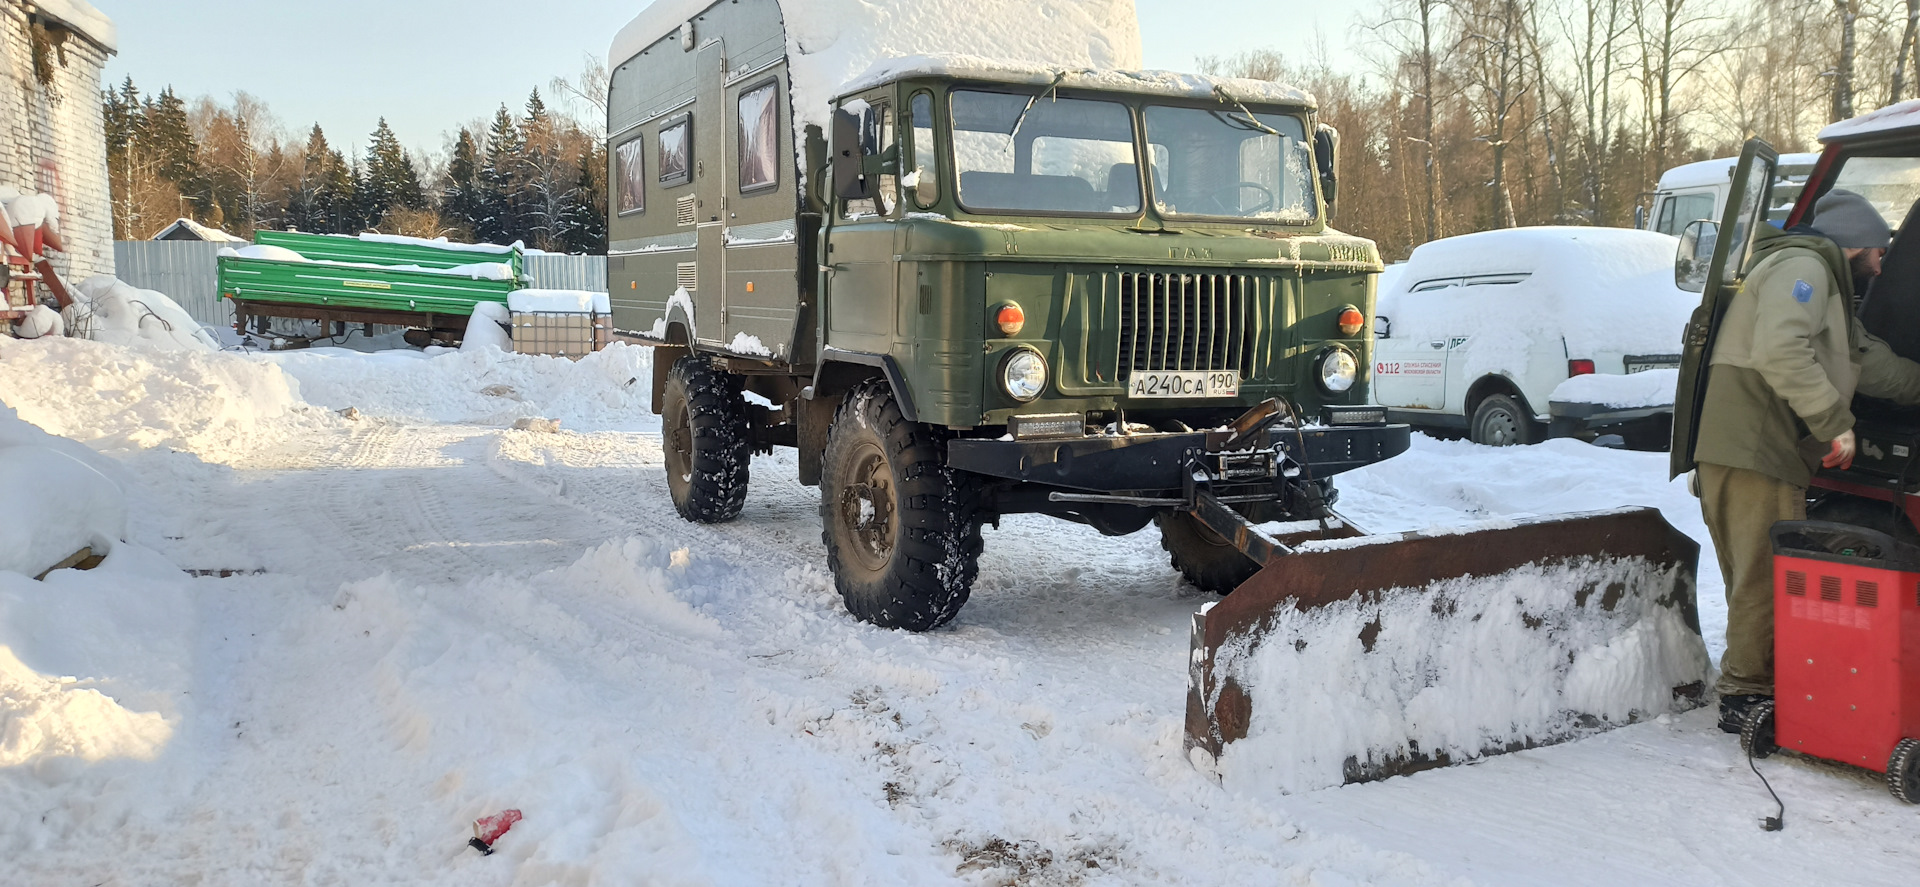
(965,288)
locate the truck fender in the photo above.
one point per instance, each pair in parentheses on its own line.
(839,370)
(664,357)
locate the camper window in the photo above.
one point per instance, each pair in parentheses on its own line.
(631,174)
(924,172)
(676,146)
(759,138)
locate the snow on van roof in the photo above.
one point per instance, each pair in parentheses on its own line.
(1718,170)
(1901,116)
(1167,83)
(1598,289)
(833,42)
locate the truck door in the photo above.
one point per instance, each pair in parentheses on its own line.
(1746,211)
(863,278)
(709,132)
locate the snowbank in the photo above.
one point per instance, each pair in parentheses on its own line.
(832,42)
(1652,388)
(33,210)
(487,328)
(106,309)
(217,405)
(55,498)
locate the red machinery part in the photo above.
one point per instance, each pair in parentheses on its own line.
(1846,654)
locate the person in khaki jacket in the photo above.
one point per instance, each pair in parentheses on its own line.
(1789,357)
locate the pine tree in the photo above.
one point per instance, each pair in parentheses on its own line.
(461,196)
(306,203)
(168,136)
(390,181)
(584,222)
(501,182)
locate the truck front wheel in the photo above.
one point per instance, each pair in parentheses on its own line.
(1208,561)
(703,427)
(900,527)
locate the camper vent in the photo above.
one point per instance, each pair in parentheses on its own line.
(1866,594)
(688,275)
(1830,588)
(683,210)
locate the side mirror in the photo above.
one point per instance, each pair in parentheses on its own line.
(1326,154)
(1640,218)
(849,159)
(1695,256)
(1382,327)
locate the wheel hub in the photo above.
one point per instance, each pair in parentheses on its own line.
(867,510)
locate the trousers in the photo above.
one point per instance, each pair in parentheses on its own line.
(1740,507)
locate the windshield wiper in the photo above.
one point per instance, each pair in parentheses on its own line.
(1013,135)
(1252,122)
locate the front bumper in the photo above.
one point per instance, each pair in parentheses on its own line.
(1165,462)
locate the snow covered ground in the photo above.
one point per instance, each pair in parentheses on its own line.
(432,617)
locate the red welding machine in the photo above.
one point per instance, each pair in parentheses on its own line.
(1846,651)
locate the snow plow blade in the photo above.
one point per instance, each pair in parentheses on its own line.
(1355,659)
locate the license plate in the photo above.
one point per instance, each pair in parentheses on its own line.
(1184,383)
(1643,364)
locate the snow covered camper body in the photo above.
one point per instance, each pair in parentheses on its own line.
(1018,285)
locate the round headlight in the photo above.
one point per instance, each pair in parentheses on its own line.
(1338,370)
(1023,375)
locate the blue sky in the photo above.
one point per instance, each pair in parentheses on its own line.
(430,66)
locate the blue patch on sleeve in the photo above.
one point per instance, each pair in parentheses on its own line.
(1802,291)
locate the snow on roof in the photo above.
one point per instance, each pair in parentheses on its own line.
(1901,116)
(1599,289)
(204,232)
(1167,83)
(85,20)
(832,42)
(437,243)
(1718,170)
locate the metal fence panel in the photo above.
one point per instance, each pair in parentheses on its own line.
(182,269)
(558,272)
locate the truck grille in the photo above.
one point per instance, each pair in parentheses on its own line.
(1185,321)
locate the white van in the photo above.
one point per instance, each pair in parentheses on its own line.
(1699,191)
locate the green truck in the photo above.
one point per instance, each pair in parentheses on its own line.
(963,290)
(369,279)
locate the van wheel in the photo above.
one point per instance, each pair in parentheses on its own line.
(902,529)
(1500,421)
(703,429)
(1207,561)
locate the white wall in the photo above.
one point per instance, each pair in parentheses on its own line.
(53,139)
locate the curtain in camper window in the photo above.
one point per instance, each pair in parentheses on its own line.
(759,138)
(632,176)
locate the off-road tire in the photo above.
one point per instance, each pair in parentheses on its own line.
(1903,771)
(1502,420)
(1209,562)
(704,433)
(1757,737)
(902,530)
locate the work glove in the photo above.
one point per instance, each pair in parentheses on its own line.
(1840,452)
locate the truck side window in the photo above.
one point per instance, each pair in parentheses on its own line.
(925,167)
(632,175)
(876,138)
(759,138)
(676,143)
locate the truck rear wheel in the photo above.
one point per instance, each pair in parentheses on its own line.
(1209,562)
(703,428)
(900,527)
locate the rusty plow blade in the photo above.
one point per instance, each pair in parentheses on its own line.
(1348,660)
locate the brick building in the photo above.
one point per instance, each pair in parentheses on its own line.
(52,137)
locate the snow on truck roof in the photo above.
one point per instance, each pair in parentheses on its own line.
(1718,170)
(1892,117)
(837,46)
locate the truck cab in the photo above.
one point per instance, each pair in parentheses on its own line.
(965,288)
(1699,190)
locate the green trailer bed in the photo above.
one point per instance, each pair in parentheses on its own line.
(350,273)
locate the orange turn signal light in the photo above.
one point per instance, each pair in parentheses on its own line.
(1351,320)
(1011,319)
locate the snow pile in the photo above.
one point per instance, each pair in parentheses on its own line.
(608,389)
(488,327)
(217,405)
(577,301)
(56,498)
(106,309)
(264,251)
(31,210)
(1652,388)
(1602,290)
(40,322)
(832,42)
(1461,678)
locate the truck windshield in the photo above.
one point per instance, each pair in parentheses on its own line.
(1210,162)
(1059,155)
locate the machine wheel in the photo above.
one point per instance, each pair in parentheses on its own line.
(1903,771)
(1208,561)
(902,529)
(1756,738)
(703,423)
(1500,421)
